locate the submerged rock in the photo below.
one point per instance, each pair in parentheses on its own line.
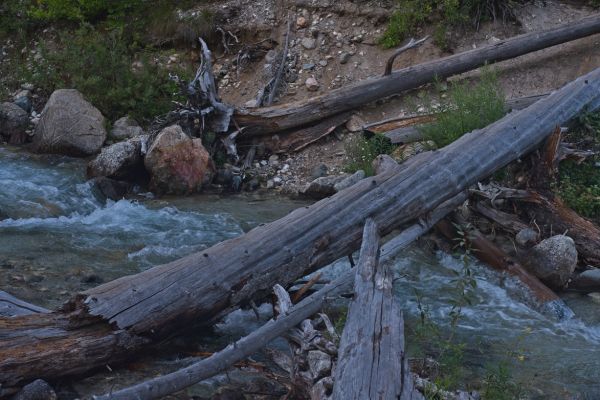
(125,128)
(177,163)
(553,260)
(106,188)
(69,125)
(122,160)
(13,123)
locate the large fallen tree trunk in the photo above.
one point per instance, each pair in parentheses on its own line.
(108,322)
(372,363)
(167,384)
(278,118)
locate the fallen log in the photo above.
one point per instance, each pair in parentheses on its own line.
(282,117)
(10,306)
(546,300)
(372,363)
(110,321)
(219,362)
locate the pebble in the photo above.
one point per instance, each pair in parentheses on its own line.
(312,84)
(309,43)
(344,57)
(301,22)
(308,66)
(323,63)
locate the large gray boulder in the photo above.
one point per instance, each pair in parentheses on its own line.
(125,128)
(69,125)
(178,164)
(553,260)
(13,123)
(122,161)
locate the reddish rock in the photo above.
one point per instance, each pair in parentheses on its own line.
(178,164)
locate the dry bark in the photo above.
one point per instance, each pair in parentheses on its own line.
(110,321)
(372,363)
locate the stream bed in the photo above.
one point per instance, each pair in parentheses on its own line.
(57,237)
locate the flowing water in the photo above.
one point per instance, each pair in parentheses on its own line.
(57,237)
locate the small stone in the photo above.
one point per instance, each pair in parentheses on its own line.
(308,66)
(526,237)
(270,184)
(309,43)
(323,63)
(301,22)
(344,57)
(319,171)
(312,84)
(27,86)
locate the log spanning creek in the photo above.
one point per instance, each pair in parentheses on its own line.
(57,237)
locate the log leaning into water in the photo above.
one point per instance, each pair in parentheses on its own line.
(221,361)
(372,363)
(279,118)
(110,321)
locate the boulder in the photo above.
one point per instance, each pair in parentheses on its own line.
(177,163)
(122,160)
(553,260)
(323,186)
(125,128)
(69,125)
(13,123)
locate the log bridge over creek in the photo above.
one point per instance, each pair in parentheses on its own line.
(109,323)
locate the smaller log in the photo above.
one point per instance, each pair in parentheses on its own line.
(10,306)
(509,222)
(492,255)
(372,363)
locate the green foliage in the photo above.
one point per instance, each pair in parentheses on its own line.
(362,151)
(82,10)
(468,108)
(579,184)
(443,14)
(499,384)
(99,65)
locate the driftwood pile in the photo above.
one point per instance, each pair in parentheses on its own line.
(109,323)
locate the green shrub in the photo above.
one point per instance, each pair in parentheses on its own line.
(442,14)
(362,151)
(99,65)
(469,108)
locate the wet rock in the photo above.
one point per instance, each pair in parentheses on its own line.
(526,237)
(122,161)
(69,125)
(587,281)
(106,188)
(553,260)
(312,84)
(323,187)
(125,128)
(36,390)
(349,181)
(319,171)
(309,43)
(319,363)
(177,163)
(13,123)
